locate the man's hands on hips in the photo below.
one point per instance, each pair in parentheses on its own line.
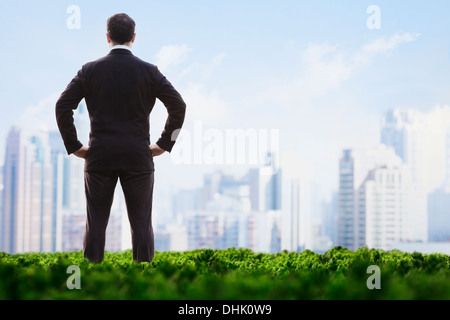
(156,150)
(82,152)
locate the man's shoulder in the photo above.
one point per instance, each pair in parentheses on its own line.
(108,58)
(147,64)
(90,64)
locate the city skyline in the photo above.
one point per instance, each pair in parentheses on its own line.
(381,201)
(305,78)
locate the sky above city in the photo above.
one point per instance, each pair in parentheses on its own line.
(320,73)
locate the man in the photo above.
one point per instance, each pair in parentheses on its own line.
(120,91)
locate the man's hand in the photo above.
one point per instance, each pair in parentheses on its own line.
(82,152)
(156,150)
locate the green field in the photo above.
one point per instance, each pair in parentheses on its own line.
(233,274)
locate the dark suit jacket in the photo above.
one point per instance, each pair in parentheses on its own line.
(120,91)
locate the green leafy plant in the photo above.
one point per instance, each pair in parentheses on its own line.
(234,273)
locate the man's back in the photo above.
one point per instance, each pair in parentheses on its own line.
(120,91)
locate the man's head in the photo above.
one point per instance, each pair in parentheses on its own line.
(120,29)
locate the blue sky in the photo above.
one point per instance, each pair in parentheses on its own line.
(311,69)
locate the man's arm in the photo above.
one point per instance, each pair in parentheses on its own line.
(67,102)
(176,108)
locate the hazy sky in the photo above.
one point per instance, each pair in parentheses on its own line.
(311,69)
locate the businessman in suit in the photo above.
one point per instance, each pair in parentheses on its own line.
(120,91)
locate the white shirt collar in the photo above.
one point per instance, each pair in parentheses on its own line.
(121,46)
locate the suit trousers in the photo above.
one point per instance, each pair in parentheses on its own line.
(138,193)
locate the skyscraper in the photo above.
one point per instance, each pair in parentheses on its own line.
(265,185)
(57,159)
(354,167)
(439,204)
(378,203)
(27,197)
(404,130)
(389,207)
(296,204)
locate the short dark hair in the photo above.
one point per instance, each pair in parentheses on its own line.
(120,28)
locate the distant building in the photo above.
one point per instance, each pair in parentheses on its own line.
(270,209)
(58,158)
(330,211)
(230,211)
(259,231)
(403,130)
(43,198)
(378,203)
(265,185)
(439,215)
(172,238)
(74,226)
(388,203)
(439,205)
(27,196)
(297,207)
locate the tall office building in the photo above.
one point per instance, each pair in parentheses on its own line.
(57,159)
(388,203)
(439,204)
(354,167)
(329,213)
(404,130)
(27,197)
(265,185)
(296,204)
(378,203)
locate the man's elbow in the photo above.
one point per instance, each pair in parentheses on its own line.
(183,106)
(181,110)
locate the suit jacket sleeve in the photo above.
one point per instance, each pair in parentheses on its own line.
(176,109)
(67,102)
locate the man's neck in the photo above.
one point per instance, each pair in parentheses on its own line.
(120,46)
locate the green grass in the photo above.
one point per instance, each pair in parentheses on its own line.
(228,274)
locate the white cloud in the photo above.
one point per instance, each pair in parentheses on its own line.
(386,45)
(209,68)
(204,105)
(201,71)
(171,56)
(327,67)
(40,116)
